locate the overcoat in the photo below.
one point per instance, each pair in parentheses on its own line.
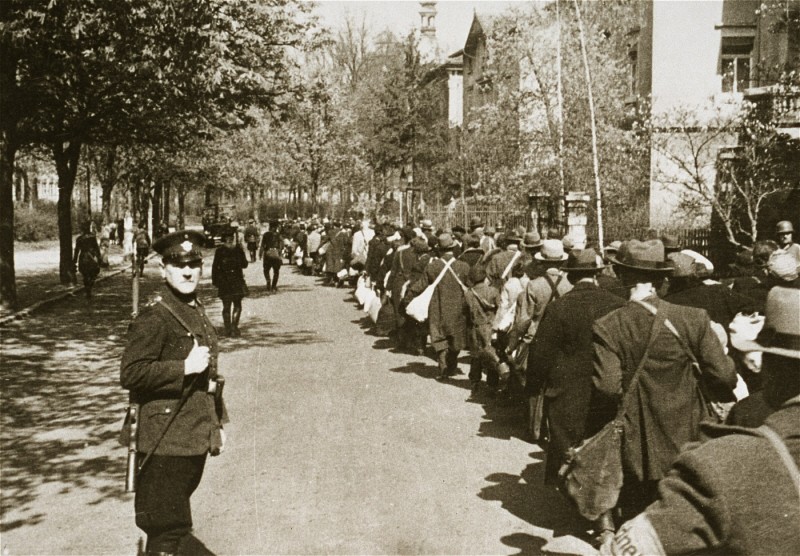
(403,262)
(532,302)
(337,251)
(664,412)
(226,271)
(447,313)
(471,256)
(497,265)
(482,300)
(712,501)
(560,360)
(152,369)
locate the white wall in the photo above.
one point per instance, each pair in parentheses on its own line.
(685,53)
(455,103)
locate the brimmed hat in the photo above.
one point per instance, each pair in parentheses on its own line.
(568,244)
(671,241)
(552,251)
(781,332)
(531,240)
(642,255)
(512,237)
(180,247)
(445,241)
(426,224)
(583,260)
(784,226)
(613,247)
(475,222)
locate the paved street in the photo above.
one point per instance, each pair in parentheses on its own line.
(336,444)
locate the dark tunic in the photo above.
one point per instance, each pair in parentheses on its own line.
(226,272)
(87,256)
(561,360)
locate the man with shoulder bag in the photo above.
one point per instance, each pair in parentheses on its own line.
(653,363)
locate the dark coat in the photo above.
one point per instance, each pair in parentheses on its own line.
(447,313)
(402,264)
(338,254)
(153,370)
(378,246)
(471,256)
(226,271)
(731,494)
(664,411)
(87,255)
(720,302)
(561,360)
(482,300)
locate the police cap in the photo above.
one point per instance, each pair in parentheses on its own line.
(180,247)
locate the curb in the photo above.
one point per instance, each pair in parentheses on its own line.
(27,311)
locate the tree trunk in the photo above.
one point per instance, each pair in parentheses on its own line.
(157,198)
(595,161)
(66,159)
(8,152)
(181,224)
(107,182)
(8,285)
(166,195)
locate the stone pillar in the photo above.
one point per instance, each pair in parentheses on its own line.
(577,203)
(537,203)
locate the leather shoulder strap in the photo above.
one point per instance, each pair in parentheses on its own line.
(175,315)
(634,379)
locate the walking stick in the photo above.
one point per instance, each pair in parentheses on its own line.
(133,407)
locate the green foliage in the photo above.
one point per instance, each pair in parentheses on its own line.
(38,222)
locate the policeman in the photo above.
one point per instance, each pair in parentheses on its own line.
(169,366)
(784,231)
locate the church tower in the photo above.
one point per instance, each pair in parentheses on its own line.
(428,46)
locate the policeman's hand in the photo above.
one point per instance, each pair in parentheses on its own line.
(197,360)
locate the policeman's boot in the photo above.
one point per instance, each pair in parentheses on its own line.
(226,318)
(237,314)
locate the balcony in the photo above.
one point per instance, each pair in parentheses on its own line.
(780,103)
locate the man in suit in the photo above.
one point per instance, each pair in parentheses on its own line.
(560,361)
(664,411)
(447,312)
(736,493)
(170,368)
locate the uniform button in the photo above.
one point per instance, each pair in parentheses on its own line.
(168,410)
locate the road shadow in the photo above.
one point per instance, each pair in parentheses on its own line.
(192,546)
(504,417)
(431,371)
(528,498)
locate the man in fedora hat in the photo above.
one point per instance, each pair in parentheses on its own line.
(170,368)
(447,315)
(472,252)
(251,234)
(738,491)
(476,227)
(540,291)
(665,410)
(426,226)
(560,361)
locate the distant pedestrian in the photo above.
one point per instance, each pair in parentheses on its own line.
(270,255)
(251,238)
(87,257)
(142,241)
(226,274)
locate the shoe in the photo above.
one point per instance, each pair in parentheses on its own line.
(236,333)
(443,377)
(476,388)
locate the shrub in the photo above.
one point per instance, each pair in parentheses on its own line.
(39,222)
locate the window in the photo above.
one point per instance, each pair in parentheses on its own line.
(735,63)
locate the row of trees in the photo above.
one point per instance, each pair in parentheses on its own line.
(144,87)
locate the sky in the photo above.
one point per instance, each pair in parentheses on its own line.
(453,17)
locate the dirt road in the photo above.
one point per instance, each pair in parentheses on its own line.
(336,444)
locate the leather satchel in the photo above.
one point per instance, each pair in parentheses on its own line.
(592,472)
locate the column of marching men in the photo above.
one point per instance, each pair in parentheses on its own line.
(644,371)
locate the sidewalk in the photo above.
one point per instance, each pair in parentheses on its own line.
(36,268)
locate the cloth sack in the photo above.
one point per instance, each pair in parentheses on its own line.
(88,265)
(374,308)
(324,248)
(361,290)
(592,472)
(342,274)
(417,308)
(369,295)
(507,319)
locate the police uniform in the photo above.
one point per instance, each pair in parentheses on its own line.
(153,370)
